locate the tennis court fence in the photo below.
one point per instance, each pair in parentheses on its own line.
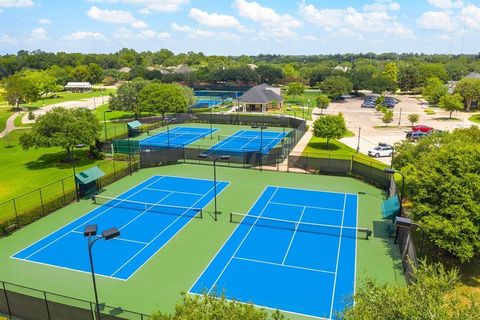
(21,302)
(31,206)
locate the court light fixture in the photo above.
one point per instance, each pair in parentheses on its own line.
(90,231)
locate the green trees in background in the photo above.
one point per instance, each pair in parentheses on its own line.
(469,89)
(451,103)
(295,89)
(443,184)
(322,102)
(19,89)
(127,97)
(161,98)
(433,295)
(270,73)
(63,128)
(330,127)
(381,84)
(391,71)
(433,90)
(207,307)
(335,86)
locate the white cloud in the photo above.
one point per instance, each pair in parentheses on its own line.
(382,5)
(38,34)
(310,37)
(126,34)
(195,33)
(470,16)
(116,16)
(180,28)
(351,21)
(16,3)
(214,20)
(435,20)
(5,38)
(151,5)
(44,21)
(263,15)
(446,4)
(85,35)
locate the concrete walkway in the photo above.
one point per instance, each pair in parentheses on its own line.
(10,125)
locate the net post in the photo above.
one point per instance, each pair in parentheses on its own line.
(94,200)
(231,217)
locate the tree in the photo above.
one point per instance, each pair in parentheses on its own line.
(270,73)
(19,89)
(469,89)
(362,75)
(295,89)
(382,84)
(451,103)
(63,128)
(335,86)
(434,89)
(330,127)
(409,77)
(163,98)
(322,102)
(433,295)
(127,98)
(43,80)
(413,118)
(432,70)
(208,307)
(443,183)
(189,95)
(317,74)
(391,71)
(387,117)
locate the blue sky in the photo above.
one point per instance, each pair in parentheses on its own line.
(235,27)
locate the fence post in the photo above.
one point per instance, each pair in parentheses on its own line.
(46,305)
(306,162)
(114,168)
(92,312)
(15,210)
(6,300)
(41,200)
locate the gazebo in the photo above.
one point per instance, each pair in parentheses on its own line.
(88,181)
(261,98)
(79,87)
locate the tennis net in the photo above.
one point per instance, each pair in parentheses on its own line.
(148,207)
(248,139)
(308,227)
(172,135)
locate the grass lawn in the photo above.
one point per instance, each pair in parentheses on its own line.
(23,171)
(4,114)
(475,118)
(317,148)
(67,96)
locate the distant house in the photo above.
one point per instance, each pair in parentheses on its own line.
(252,66)
(125,69)
(261,98)
(182,69)
(451,85)
(79,87)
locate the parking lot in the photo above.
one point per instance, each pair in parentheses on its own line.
(373,130)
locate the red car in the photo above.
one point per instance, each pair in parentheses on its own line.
(422,128)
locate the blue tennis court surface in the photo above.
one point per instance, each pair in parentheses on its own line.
(294,251)
(248,141)
(148,216)
(177,137)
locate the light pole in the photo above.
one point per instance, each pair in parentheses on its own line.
(400,117)
(105,122)
(358,142)
(90,232)
(80,145)
(392,171)
(168,135)
(404,222)
(238,111)
(214,159)
(256,126)
(210,120)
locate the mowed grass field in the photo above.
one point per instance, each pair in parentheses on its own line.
(174,269)
(65,96)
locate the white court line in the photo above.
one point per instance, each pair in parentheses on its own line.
(284,265)
(181,192)
(243,240)
(158,235)
(303,206)
(338,257)
(160,134)
(117,238)
(293,236)
(101,213)
(276,139)
(221,144)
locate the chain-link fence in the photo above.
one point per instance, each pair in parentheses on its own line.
(21,302)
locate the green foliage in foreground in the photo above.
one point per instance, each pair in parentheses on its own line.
(207,307)
(432,296)
(443,183)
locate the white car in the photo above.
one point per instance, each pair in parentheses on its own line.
(382,150)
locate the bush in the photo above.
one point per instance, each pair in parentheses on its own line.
(31,116)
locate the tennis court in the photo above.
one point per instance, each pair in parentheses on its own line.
(177,137)
(148,216)
(248,141)
(294,251)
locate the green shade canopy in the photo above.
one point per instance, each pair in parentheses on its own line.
(134,124)
(89,175)
(390,208)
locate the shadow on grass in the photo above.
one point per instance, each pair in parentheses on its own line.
(447,119)
(322,146)
(57,160)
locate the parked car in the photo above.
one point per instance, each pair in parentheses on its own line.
(389,102)
(422,128)
(382,150)
(415,135)
(369,103)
